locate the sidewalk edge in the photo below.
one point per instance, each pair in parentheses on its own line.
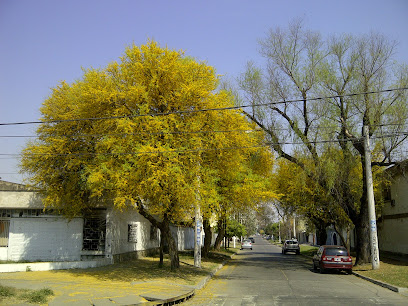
(382,284)
(190,294)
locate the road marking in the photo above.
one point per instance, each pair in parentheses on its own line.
(285,275)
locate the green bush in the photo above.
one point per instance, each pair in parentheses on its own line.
(6,291)
(37,296)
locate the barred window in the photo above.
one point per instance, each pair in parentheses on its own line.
(132,232)
(4,232)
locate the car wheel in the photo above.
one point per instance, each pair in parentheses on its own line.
(297,252)
(251,249)
(314,267)
(350,271)
(322,270)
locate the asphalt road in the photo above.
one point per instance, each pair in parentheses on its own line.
(264,276)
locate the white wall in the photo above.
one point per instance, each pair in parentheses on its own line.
(117,232)
(20,199)
(392,231)
(3,253)
(392,237)
(184,237)
(45,239)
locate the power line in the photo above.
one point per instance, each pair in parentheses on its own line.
(190,132)
(202,110)
(138,133)
(267,144)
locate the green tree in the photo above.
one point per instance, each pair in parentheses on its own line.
(234,228)
(272,229)
(148,146)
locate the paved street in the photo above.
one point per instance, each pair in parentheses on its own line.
(264,276)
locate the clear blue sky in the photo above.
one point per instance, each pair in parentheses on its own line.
(45,41)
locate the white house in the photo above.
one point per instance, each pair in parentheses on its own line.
(393,222)
(28,233)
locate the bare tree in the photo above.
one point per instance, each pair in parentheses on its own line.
(302,66)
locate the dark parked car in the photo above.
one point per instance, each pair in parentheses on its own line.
(332,257)
(291,246)
(252,239)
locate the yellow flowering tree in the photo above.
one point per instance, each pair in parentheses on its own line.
(135,135)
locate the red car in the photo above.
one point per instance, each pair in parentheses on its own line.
(332,257)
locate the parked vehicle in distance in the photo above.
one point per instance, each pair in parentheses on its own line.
(246,244)
(333,257)
(291,245)
(252,239)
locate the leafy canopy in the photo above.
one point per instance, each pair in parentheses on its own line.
(148,140)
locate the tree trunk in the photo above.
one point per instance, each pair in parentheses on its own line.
(161,249)
(343,241)
(207,238)
(221,233)
(362,225)
(321,234)
(362,234)
(164,227)
(173,251)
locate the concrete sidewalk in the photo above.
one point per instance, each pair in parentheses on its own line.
(74,289)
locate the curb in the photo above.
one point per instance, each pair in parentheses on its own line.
(185,297)
(170,301)
(382,284)
(202,283)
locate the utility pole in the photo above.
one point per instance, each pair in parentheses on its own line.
(375,260)
(197,240)
(198,226)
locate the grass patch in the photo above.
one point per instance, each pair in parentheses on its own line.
(37,296)
(6,291)
(308,250)
(11,296)
(391,272)
(147,269)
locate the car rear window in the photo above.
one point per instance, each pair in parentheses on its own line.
(291,242)
(336,252)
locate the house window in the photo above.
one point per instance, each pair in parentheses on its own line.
(5,213)
(94,231)
(132,232)
(4,232)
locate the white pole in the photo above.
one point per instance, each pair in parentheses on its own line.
(197,241)
(375,260)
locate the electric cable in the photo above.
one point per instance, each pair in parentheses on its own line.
(201,110)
